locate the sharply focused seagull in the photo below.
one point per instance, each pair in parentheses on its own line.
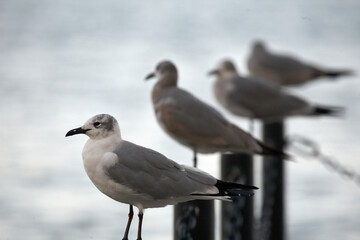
(142,177)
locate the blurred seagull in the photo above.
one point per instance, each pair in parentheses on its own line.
(139,176)
(195,124)
(257,98)
(286,70)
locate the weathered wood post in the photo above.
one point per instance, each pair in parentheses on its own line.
(273,206)
(237,216)
(194,220)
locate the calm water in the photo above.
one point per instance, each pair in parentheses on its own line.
(62,62)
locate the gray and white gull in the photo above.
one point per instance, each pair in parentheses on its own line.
(142,177)
(287,70)
(256,98)
(194,123)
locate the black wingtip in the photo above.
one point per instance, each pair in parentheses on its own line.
(335,74)
(232,189)
(224,185)
(331,111)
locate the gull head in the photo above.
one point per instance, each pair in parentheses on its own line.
(225,70)
(165,72)
(258,46)
(98,127)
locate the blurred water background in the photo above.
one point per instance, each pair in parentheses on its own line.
(62,62)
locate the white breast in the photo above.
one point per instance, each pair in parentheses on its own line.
(97,157)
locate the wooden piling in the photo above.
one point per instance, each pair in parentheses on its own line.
(237,216)
(273,206)
(194,220)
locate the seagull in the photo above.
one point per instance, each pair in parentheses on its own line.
(142,177)
(256,98)
(194,123)
(286,70)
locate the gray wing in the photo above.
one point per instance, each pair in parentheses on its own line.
(189,118)
(289,69)
(286,63)
(262,98)
(149,172)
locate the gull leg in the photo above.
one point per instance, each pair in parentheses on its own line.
(141,215)
(131,214)
(195,158)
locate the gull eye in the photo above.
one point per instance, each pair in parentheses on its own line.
(97,124)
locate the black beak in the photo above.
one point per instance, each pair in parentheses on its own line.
(76,131)
(213,72)
(150,75)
